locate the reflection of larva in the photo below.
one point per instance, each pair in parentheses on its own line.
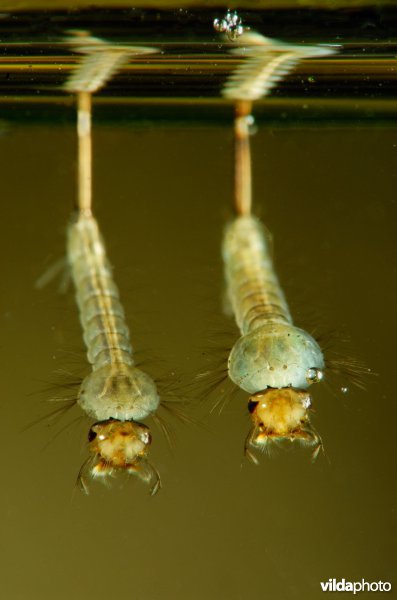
(274,361)
(116,393)
(100,62)
(266,62)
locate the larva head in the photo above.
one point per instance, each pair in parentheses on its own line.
(281,414)
(118,445)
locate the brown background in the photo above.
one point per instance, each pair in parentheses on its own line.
(219,528)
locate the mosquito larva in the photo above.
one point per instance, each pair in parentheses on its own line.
(274,361)
(116,393)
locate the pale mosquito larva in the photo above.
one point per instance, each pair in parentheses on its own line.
(273,361)
(116,393)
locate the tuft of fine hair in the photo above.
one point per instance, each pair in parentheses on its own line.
(266,63)
(100,62)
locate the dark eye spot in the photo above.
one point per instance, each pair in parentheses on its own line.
(251,406)
(91,435)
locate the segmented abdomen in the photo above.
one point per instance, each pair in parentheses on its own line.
(252,285)
(106,334)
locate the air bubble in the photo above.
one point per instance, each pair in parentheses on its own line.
(231,24)
(314,375)
(220,25)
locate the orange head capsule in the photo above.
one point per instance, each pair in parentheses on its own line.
(119,445)
(281,414)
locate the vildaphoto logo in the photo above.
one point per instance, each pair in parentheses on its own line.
(341,585)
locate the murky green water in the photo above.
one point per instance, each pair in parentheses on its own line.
(324,168)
